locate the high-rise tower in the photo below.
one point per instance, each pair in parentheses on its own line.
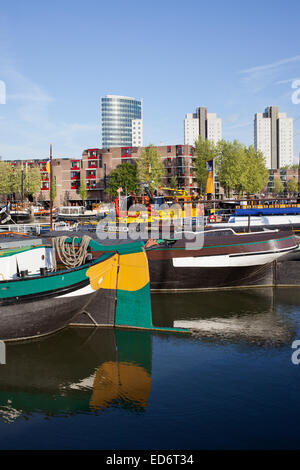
(273,136)
(121,121)
(202,123)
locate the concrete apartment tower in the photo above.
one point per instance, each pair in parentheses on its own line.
(273,136)
(121,121)
(208,125)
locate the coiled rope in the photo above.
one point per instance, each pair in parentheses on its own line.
(70,254)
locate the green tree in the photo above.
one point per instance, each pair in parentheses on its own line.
(32,181)
(205,150)
(173,182)
(230,166)
(26,181)
(289,167)
(256,171)
(6,179)
(292,185)
(125,177)
(150,168)
(83,191)
(278,186)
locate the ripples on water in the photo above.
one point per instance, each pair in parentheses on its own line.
(245,314)
(230,384)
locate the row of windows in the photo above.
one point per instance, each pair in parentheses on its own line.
(119,117)
(120,122)
(120,100)
(122,135)
(120,109)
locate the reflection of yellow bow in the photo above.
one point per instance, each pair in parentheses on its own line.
(133,272)
(125,381)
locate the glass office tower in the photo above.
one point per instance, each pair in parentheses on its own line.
(121,121)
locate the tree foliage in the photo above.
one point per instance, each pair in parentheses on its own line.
(239,168)
(83,191)
(278,186)
(19,180)
(125,177)
(292,186)
(205,150)
(150,168)
(6,178)
(256,173)
(173,182)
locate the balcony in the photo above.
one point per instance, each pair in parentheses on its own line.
(92,165)
(91,186)
(44,188)
(90,177)
(75,177)
(92,157)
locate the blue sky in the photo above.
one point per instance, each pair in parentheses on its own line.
(57,58)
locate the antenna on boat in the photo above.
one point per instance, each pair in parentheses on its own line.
(51,202)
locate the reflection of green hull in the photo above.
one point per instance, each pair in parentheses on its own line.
(56,375)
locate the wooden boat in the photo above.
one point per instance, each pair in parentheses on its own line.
(43,287)
(223,259)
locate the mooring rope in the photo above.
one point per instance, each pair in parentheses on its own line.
(70,254)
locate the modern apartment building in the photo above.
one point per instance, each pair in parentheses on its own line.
(202,123)
(273,136)
(121,121)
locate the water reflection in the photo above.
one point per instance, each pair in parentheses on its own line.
(78,370)
(252,315)
(90,370)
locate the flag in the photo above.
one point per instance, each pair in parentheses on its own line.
(48,166)
(210,165)
(210,177)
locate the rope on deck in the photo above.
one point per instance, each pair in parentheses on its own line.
(70,254)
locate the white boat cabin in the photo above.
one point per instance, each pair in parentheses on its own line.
(31,259)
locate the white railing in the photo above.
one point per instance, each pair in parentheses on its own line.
(36,228)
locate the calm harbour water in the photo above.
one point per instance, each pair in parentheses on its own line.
(229,385)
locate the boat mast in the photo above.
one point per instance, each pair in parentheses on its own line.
(51,202)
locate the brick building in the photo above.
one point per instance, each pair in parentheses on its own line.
(96,165)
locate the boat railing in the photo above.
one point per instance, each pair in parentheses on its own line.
(36,228)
